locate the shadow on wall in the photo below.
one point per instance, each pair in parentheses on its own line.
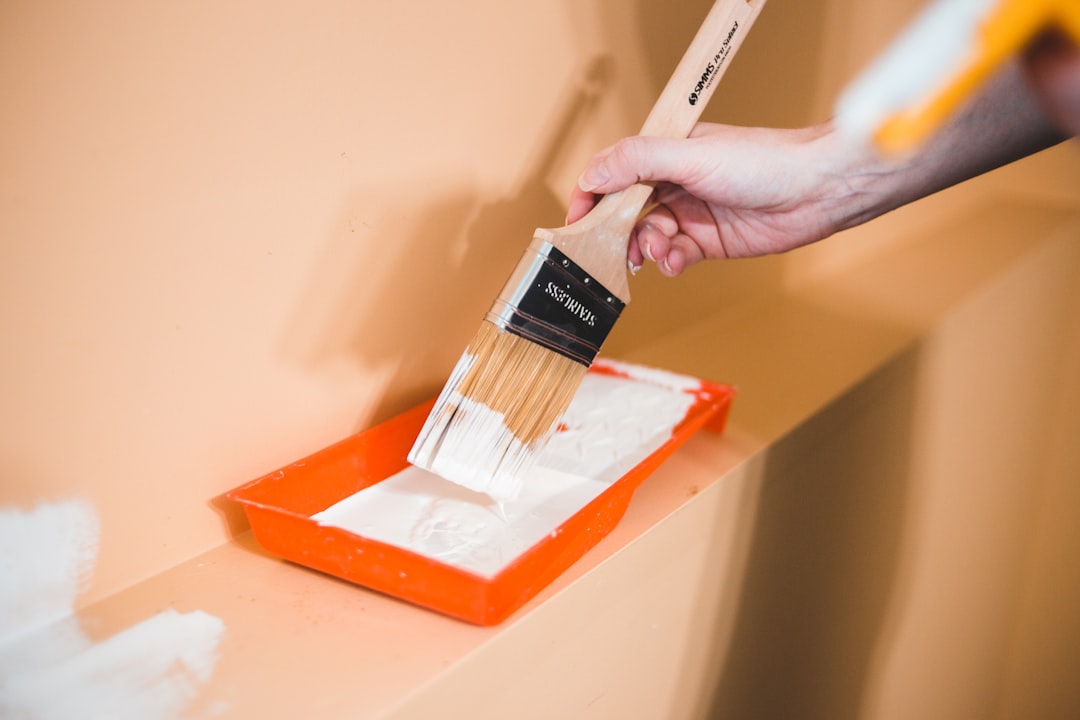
(433,284)
(824,560)
(424,277)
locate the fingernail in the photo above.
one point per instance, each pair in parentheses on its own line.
(647,251)
(632,267)
(667,268)
(593,177)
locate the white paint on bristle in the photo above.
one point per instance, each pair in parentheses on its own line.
(914,68)
(613,424)
(426,447)
(456,427)
(494,471)
(48,667)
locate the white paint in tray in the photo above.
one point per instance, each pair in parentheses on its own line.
(612,425)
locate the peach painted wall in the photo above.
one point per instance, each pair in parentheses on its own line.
(233,232)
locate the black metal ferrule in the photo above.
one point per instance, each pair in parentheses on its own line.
(558,305)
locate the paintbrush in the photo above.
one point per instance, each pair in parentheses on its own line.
(521,370)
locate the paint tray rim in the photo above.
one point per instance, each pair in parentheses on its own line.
(279,506)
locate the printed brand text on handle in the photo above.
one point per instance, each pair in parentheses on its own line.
(709,74)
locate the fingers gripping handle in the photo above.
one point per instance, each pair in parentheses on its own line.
(684,98)
(598,241)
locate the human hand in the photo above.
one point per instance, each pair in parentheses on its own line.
(725,192)
(729,192)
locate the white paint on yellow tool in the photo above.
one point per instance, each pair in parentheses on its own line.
(612,425)
(48,667)
(914,68)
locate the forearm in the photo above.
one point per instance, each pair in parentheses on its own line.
(1002,124)
(740,192)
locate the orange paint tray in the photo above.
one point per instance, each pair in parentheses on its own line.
(280,506)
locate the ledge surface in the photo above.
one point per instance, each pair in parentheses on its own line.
(633,629)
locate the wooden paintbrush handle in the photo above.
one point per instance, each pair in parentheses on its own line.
(695,78)
(599,239)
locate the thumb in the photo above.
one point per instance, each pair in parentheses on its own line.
(636,159)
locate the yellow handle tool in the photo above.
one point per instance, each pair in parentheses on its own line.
(939,61)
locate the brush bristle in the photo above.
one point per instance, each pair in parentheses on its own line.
(496,412)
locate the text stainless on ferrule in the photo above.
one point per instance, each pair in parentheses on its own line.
(558,305)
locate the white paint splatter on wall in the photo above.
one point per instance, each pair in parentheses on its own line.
(48,667)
